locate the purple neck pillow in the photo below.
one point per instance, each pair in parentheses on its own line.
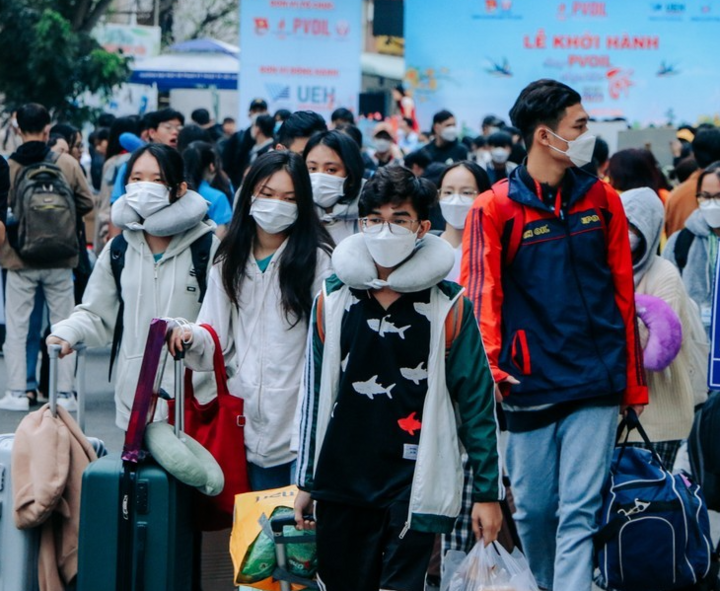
(664,331)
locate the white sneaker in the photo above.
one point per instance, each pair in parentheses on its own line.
(15,400)
(67,401)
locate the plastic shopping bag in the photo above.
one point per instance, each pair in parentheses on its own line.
(492,568)
(252,547)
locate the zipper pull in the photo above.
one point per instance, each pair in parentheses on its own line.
(405,529)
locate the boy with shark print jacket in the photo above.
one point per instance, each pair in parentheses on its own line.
(396,377)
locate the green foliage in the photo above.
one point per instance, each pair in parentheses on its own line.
(55,60)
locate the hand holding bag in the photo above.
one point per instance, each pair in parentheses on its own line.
(218,426)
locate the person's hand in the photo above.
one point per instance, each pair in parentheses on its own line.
(638,408)
(2,233)
(486,521)
(66,349)
(303,506)
(508,380)
(179,339)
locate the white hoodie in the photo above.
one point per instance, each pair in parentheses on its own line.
(263,351)
(150,290)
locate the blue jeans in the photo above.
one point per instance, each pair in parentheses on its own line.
(273,477)
(557,474)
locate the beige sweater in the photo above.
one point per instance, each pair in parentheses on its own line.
(48,459)
(675,391)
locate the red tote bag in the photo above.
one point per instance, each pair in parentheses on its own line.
(219,427)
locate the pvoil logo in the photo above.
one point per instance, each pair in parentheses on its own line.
(278,92)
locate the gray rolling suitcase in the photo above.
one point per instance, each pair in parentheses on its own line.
(19,548)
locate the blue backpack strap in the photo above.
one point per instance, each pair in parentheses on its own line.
(118,247)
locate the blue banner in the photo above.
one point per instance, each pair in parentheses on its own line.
(644,60)
(300,54)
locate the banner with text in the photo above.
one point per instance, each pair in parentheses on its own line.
(300,54)
(648,62)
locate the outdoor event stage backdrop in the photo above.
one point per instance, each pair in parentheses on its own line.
(646,60)
(300,54)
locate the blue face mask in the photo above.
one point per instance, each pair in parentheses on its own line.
(278,125)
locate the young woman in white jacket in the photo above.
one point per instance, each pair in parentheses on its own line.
(160,220)
(336,173)
(269,267)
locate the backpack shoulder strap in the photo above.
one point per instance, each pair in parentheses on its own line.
(200,252)
(682,248)
(319,316)
(453,323)
(118,247)
(52,157)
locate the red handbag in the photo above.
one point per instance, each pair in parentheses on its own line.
(219,427)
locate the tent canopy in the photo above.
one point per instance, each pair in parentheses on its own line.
(202,63)
(198,63)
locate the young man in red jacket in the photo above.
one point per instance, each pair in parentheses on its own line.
(547,264)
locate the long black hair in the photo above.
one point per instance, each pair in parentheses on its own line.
(172,168)
(198,157)
(347,150)
(305,236)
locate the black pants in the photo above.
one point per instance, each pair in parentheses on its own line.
(359,548)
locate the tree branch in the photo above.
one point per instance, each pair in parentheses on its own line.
(211,17)
(92,19)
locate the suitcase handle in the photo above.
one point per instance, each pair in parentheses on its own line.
(54,355)
(179,392)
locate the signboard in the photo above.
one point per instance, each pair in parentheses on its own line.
(638,60)
(130,40)
(301,54)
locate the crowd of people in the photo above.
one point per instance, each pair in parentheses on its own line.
(332,272)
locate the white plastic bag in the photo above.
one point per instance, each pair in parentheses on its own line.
(491,568)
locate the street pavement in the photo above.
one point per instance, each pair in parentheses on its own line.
(100,407)
(100,420)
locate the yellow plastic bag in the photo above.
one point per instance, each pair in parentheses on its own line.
(252,551)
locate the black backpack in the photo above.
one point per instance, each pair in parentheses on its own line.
(200,253)
(44,207)
(682,248)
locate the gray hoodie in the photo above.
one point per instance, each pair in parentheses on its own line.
(697,276)
(645,212)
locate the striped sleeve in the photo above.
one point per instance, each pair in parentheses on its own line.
(471,386)
(481,276)
(619,259)
(309,406)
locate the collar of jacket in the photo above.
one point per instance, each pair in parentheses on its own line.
(576,182)
(429,264)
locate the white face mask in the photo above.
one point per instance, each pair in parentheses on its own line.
(389,249)
(449,134)
(273,215)
(483,157)
(147,198)
(499,155)
(455,209)
(327,188)
(580,150)
(711,213)
(634,241)
(382,145)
